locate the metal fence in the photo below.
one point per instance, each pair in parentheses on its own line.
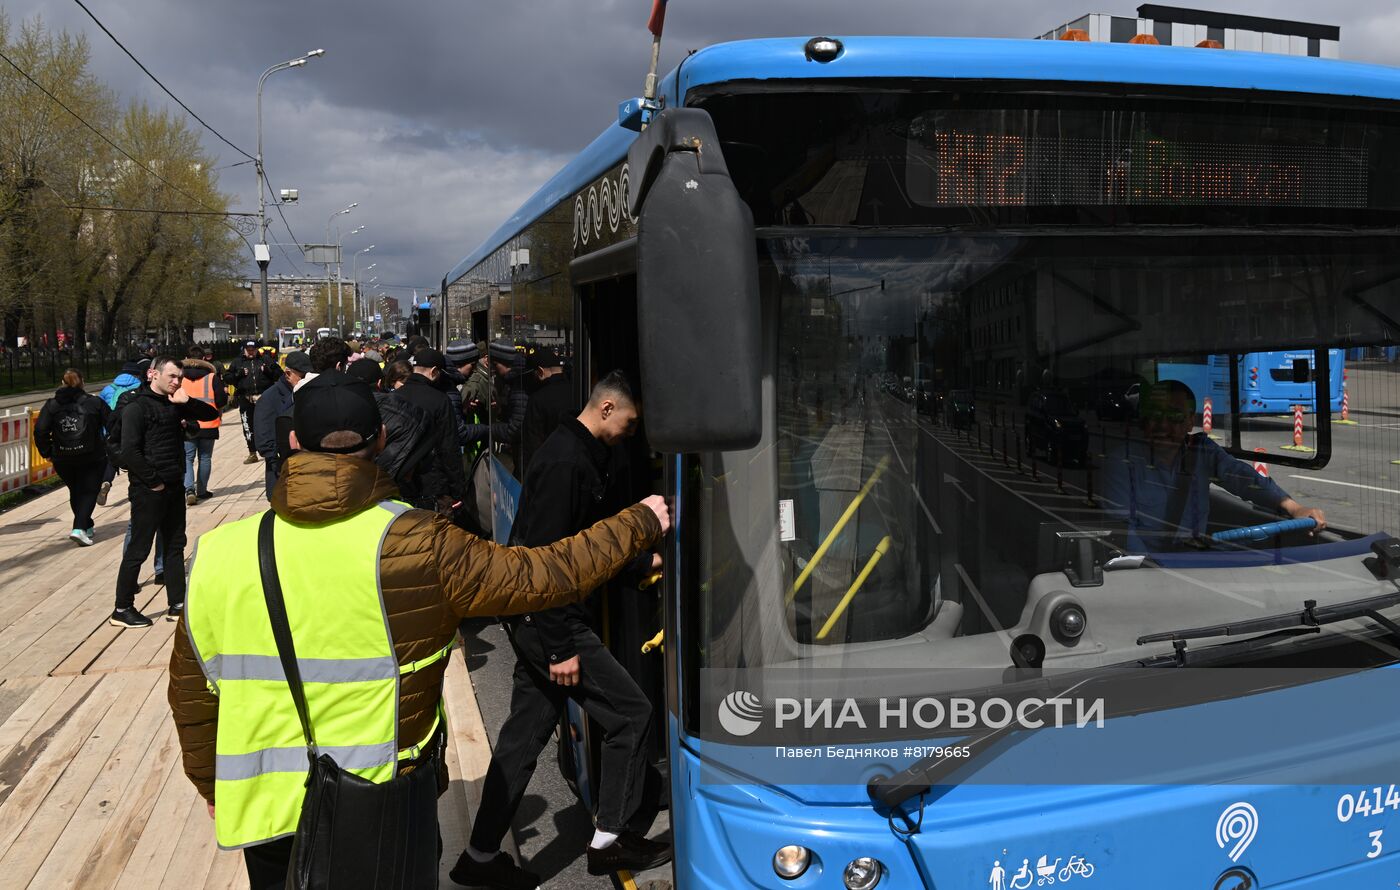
(36,368)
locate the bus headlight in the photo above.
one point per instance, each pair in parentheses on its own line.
(863,873)
(791,861)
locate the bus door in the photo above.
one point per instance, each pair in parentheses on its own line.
(628,612)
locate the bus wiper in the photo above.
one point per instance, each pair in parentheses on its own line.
(930,771)
(1309,620)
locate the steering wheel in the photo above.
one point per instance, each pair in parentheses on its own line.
(1266,530)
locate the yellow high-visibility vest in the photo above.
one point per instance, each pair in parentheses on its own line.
(330,582)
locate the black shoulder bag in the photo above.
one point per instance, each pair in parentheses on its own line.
(353,834)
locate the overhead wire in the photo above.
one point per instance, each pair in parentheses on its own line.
(166,89)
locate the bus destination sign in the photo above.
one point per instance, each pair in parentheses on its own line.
(968,167)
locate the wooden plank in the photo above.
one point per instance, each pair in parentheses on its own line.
(196,846)
(14,693)
(108,858)
(128,695)
(229,872)
(467,735)
(20,723)
(156,846)
(123,769)
(454,819)
(46,753)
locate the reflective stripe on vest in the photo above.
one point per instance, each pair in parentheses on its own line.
(330,581)
(203,390)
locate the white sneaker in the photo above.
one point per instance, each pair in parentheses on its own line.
(80,537)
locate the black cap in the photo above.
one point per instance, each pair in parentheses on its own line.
(541,357)
(335,401)
(298,361)
(428,358)
(250,344)
(367,370)
(461,352)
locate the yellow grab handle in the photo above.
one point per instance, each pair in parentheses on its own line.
(656,642)
(836,529)
(880,550)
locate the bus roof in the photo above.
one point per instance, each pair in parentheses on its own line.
(904,58)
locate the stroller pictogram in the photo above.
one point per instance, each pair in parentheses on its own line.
(1046,870)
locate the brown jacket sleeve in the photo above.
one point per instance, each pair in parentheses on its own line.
(196,713)
(485,579)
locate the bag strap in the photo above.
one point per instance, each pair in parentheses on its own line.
(281,629)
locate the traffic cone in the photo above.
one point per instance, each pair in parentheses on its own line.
(1208,420)
(1298,432)
(1346,412)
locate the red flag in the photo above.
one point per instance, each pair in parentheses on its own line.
(658,17)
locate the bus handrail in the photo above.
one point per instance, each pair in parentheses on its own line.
(836,529)
(880,550)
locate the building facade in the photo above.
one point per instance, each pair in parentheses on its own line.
(1175,26)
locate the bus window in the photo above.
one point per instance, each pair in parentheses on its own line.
(908,529)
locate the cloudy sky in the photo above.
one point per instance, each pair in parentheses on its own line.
(440,118)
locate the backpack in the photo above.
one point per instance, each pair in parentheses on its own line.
(75,431)
(112,392)
(114,434)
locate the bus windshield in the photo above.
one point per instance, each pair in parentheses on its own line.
(883,523)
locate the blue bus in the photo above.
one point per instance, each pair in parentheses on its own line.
(868,618)
(1266,382)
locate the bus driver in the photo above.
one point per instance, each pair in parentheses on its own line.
(1162,487)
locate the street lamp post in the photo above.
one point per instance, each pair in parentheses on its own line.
(329,219)
(260,252)
(339,291)
(355,271)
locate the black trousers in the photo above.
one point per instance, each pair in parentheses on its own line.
(83,478)
(153,511)
(268,864)
(608,694)
(245,416)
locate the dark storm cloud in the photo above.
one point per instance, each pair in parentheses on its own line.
(440,118)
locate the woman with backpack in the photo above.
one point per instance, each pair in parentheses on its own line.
(70,432)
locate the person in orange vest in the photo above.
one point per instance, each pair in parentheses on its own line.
(201,382)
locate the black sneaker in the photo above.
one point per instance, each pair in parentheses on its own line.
(190,499)
(631,852)
(204,495)
(173,613)
(160,577)
(128,618)
(500,873)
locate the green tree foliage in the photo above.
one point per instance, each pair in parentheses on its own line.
(161,258)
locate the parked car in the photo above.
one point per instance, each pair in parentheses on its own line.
(1052,425)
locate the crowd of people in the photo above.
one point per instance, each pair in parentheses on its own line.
(367,449)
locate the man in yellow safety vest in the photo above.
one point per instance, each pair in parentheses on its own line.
(373,616)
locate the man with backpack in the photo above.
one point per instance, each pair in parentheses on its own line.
(132,373)
(70,432)
(152,452)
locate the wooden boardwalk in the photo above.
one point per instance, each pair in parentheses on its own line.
(91,790)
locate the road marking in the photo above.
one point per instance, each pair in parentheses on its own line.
(1347,484)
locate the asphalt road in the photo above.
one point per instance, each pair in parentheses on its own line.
(551,828)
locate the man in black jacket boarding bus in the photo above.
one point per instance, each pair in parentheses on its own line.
(575,478)
(153,453)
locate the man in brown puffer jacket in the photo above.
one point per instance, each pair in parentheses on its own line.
(432,575)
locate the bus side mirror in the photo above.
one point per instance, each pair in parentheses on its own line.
(697,290)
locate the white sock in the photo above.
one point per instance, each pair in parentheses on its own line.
(479,856)
(601,839)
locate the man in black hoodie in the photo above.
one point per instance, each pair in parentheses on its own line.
(153,453)
(251,374)
(576,478)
